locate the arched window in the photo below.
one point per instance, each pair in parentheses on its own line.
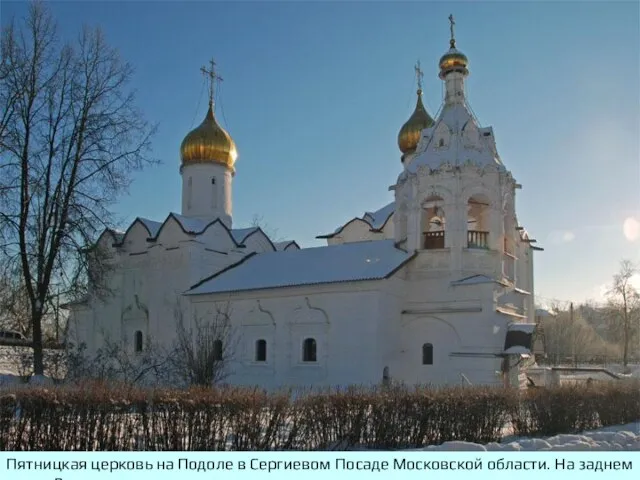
(217,350)
(137,341)
(189,192)
(309,350)
(261,350)
(427,354)
(433,223)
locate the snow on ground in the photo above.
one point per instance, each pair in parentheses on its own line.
(620,437)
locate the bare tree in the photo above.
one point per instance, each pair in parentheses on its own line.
(69,139)
(272,233)
(204,348)
(14,305)
(572,336)
(624,307)
(113,362)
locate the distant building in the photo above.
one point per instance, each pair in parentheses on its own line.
(435,287)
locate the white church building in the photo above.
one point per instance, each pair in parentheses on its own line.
(434,288)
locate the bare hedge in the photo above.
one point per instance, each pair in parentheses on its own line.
(108,418)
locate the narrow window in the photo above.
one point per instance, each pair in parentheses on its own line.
(189,192)
(441,142)
(427,354)
(217,350)
(261,351)
(309,350)
(137,340)
(214,193)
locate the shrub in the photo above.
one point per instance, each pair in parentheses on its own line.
(111,418)
(574,408)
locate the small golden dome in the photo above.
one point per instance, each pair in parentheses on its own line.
(453,60)
(208,143)
(410,133)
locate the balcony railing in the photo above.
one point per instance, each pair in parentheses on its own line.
(434,240)
(477,239)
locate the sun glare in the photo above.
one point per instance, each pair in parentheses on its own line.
(631,229)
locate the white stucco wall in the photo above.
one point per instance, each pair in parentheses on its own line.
(343,319)
(147,282)
(206,191)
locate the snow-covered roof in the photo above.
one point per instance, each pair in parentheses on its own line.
(195,226)
(376,220)
(241,234)
(380,216)
(460,150)
(347,262)
(191,225)
(152,226)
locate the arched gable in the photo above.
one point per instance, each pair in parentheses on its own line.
(177,228)
(258,241)
(218,237)
(171,232)
(442,136)
(356,231)
(136,236)
(351,223)
(292,245)
(188,226)
(108,238)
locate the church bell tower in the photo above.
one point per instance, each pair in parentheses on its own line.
(455,198)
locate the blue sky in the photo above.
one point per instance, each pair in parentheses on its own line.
(314,94)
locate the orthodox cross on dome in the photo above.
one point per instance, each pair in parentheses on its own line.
(212,77)
(452,22)
(419,75)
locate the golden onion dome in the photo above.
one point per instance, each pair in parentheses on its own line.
(208,143)
(410,133)
(453,60)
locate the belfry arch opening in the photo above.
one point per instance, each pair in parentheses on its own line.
(478,208)
(433,222)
